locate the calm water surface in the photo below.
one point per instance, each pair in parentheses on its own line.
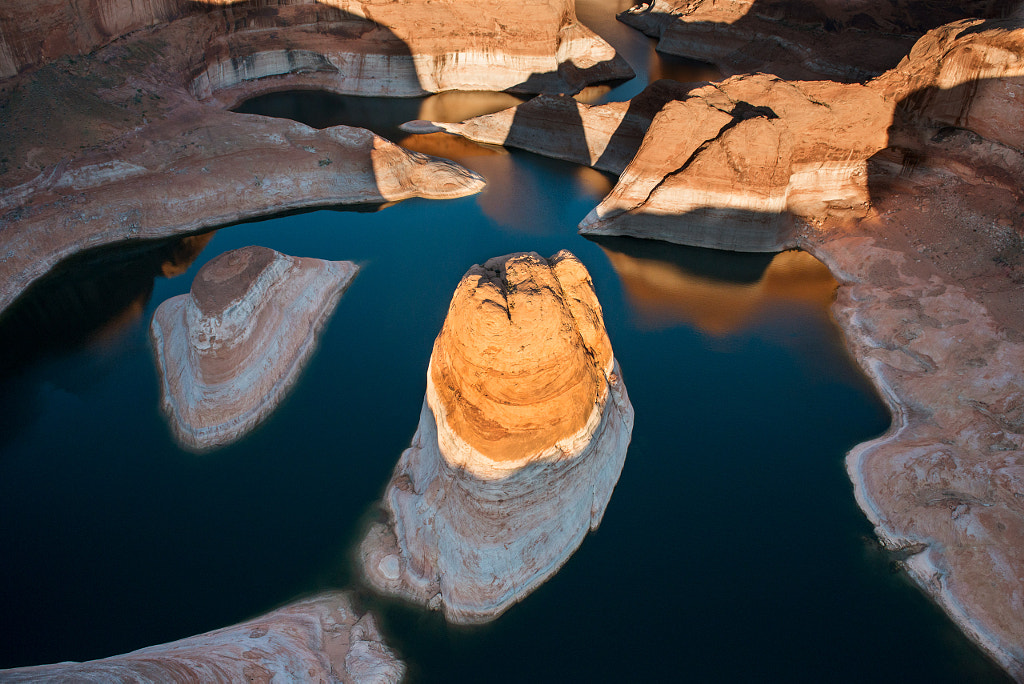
(732,548)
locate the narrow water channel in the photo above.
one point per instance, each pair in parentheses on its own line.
(732,548)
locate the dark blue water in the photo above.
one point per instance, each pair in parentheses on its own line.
(732,548)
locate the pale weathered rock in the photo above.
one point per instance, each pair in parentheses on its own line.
(930,299)
(908,188)
(230,350)
(730,165)
(353,46)
(320,639)
(522,436)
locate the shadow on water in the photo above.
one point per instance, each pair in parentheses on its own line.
(89,298)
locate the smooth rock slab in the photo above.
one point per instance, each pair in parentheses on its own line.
(229,351)
(522,436)
(321,639)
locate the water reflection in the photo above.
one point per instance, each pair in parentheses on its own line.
(670,284)
(382,115)
(92,300)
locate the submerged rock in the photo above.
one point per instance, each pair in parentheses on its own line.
(522,436)
(230,350)
(321,639)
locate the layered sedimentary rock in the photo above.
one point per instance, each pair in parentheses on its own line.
(730,165)
(131,140)
(229,351)
(931,305)
(321,639)
(806,39)
(522,437)
(908,188)
(931,299)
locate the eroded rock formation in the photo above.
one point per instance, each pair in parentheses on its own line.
(354,46)
(800,39)
(736,160)
(130,139)
(908,188)
(522,436)
(229,351)
(321,639)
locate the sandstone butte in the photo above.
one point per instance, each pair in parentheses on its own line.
(320,639)
(908,188)
(114,124)
(522,436)
(230,349)
(839,40)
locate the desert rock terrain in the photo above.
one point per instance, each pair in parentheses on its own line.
(229,351)
(521,439)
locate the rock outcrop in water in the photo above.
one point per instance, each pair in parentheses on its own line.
(321,639)
(837,40)
(908,188)
(522,436)
(230,350)
(130,140)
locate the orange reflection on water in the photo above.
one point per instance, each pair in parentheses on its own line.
(184,253)
(449,146)
(459,105)
(665,293)
(594,183)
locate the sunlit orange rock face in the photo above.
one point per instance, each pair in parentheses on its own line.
(229,351)
(320,639)
(519,365)
(522,436)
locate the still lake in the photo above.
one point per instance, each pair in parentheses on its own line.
(731,550)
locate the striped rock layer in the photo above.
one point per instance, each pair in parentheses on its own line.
(229,351)
(522,436)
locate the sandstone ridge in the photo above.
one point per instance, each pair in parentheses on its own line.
(522,436)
